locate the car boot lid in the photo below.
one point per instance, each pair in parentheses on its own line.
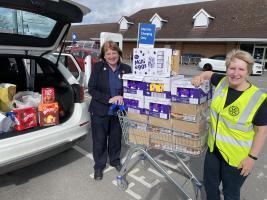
(36,27)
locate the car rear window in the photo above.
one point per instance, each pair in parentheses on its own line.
(14,21)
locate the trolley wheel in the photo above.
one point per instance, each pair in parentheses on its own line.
(122,183)
(197,190)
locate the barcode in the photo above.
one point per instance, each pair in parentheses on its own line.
(158,95)
(132,110)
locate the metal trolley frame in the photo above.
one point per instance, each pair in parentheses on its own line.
(152,137)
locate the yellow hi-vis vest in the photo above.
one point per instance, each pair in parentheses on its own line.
(231,127)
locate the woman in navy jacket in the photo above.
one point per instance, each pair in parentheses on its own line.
(105,87)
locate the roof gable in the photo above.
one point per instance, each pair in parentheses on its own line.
(124,23)
(157,20)
(202,18)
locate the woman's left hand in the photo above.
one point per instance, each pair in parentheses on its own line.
(246,165)
(116,100)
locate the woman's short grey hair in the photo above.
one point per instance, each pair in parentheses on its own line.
(242,55)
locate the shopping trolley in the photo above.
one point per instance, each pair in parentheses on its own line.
(142,136)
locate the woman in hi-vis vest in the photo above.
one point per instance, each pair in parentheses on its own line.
(238,116)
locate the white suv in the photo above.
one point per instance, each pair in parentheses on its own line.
(30,30)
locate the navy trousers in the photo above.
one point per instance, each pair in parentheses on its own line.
(106,135)
(216,170)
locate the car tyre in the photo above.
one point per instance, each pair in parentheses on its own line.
(207,67)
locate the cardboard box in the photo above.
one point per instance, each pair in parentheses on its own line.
(134,100)
(152,61)
(157,87)
(133,84)
(189,112)
(161,140)
(183,91)
(48,95)
(188,109)
(190,127)
(158,107)
(190,140)
(26,118)
(48,114)
(165,123)
(175,62)
(134,115)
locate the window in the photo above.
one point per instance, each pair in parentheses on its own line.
(68,62)
(25,23)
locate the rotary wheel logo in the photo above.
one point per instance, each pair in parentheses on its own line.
(233,110)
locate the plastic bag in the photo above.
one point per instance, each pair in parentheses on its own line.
(26,99)
(6,123)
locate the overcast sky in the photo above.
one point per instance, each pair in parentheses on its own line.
(105,11)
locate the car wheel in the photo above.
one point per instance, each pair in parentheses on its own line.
(207,67)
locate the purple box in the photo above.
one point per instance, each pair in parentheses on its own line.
(159,110)
(190,96)
(133,103)
(183,92)
(138,85)
(134,87)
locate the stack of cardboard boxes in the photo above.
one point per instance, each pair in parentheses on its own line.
(153,99)
(189,112)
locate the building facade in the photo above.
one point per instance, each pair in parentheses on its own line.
(205,28)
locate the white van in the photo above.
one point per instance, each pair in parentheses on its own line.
(22,40)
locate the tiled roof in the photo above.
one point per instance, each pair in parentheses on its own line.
(84,32)
(233,19)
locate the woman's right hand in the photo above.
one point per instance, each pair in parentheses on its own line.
(197,81)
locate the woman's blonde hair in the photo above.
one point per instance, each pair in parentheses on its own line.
(242,55)
(110,45)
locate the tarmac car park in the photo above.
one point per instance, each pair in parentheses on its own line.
(26,48)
